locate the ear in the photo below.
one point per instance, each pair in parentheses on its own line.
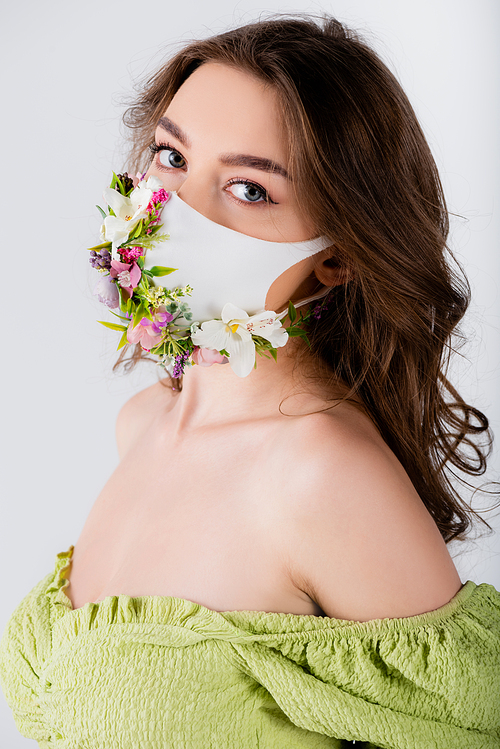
(328,271)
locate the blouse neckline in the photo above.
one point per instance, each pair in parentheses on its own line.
(160,608)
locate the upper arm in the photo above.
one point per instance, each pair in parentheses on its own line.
(135,415)
(364,546)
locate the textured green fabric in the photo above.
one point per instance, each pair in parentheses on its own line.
(156,672)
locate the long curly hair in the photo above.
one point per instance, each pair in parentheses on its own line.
(364,172)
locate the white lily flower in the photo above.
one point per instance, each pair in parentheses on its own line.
(128,212)
(152,183)
(266,325)
(234,334)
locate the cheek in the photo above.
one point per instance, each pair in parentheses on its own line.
(170,180)
(283,288)
(295,226)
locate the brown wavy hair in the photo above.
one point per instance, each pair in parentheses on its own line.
(364,172)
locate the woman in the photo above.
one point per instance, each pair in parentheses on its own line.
(228,585)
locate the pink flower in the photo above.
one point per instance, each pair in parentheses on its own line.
(149,333)
(142,334)
(138,177)
(107,292)
(205,357)
(128,275)
(160,196)
(129,254)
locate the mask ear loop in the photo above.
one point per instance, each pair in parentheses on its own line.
(306,301)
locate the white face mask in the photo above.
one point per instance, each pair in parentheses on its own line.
(221,265)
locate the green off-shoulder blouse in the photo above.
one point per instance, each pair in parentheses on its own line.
(156,671)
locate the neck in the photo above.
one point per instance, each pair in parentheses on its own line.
(215,395)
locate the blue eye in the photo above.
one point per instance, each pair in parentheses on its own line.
(168,157)
(245,192)
(249,192)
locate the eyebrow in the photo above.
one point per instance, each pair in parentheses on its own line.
(228,159)
(173,129)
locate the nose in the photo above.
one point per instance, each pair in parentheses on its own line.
(200,191)
(197,195)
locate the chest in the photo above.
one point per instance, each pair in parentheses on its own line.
(199,521)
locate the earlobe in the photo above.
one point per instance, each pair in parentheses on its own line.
(330,273)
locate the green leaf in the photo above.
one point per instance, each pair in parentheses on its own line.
(140,312)
(137,316)
(300,332)
(123,340)
(113,326)
(119,316)
(113,181)
(124,299)
(128,305)
(155,228)
(274,354)
(158,350)
(100,246)
(138,229)
(292,312)
(121,186)
(103,213)
(160,270)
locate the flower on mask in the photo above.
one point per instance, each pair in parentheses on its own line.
(128,275)
(100,260)
(128,211)
(107,292)
(129,254)
(205,357)
(233,333)
(149,333)
(159,318)
(138,177)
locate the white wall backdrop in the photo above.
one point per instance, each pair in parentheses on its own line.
(64,66)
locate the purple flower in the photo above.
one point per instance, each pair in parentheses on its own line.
(161,319)
(149,333)
(107,292)
(101,259)
(180,363)
(318,310)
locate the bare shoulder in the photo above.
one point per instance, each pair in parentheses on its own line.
(136,414)
(360,541)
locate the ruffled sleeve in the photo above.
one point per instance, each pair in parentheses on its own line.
(25,647)
(424,682)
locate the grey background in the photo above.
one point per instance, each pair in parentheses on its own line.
(65,66)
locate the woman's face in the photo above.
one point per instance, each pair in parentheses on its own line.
(221,146)
(219,139)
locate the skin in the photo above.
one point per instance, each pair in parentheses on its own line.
(221,499)
(219,111)
(219,115)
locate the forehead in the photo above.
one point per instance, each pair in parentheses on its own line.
(229,109)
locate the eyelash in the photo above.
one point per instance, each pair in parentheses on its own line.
(155,148)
